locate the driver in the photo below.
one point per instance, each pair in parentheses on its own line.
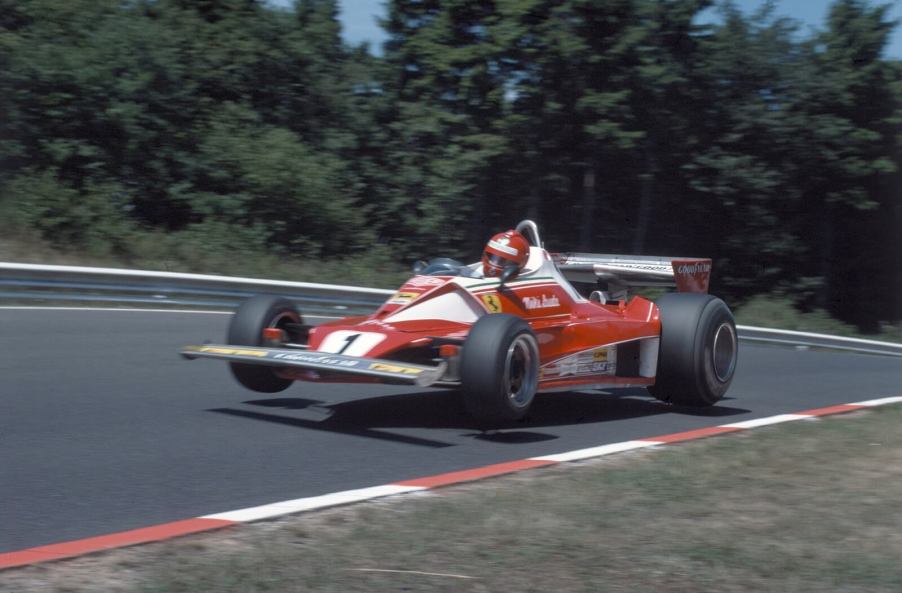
(507,249)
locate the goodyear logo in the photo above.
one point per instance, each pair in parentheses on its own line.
(392,368)
(694,268)
(600,355)
(232,351)
(492,303)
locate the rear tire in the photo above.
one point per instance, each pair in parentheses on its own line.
(246,329)
(698,349)
(499,369)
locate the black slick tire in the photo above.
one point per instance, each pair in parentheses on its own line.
(698,350)
(246,329)
(499,369)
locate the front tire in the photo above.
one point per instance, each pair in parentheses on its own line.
(698,350)
(246,329)
(499,369)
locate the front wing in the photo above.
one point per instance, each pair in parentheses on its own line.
(387,370)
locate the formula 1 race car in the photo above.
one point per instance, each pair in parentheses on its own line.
(502,340)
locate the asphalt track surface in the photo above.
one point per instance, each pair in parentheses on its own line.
(104,428)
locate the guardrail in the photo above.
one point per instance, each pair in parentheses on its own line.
(810,340)
(31,282)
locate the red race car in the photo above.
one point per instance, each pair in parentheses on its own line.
(502,330)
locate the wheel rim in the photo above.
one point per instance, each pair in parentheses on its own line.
(724,352)
(284,322)
(521,370)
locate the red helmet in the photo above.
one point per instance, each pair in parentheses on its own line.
(509,248)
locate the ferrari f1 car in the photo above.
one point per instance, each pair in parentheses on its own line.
(499,341)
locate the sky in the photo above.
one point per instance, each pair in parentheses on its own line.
(358,19)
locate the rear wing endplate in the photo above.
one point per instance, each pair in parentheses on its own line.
(625,272)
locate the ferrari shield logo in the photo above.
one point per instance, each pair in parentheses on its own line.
(492,303)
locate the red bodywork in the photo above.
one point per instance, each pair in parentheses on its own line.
(581,342)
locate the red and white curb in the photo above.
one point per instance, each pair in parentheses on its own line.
(219,520)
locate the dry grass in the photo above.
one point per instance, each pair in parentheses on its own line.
(813,506)
(215,254)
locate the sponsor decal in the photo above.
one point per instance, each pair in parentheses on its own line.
(649,267)
(392,368)
(692,275)
(427,281)
(401,298)
(544,301)
(574,368)
(233,351)
(601,361)
(492,302)
(695,268)
(502,244)
(318,359)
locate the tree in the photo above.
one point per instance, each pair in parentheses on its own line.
(665,75)
(570,118)
(737,190)
(446,100)
(853,137)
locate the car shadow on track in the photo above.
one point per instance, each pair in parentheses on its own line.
(375,417)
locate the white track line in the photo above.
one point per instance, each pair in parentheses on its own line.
(757,422)
(597,451)
(880,402)
(288,507)
(416,572)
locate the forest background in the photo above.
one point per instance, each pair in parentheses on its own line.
(235,136)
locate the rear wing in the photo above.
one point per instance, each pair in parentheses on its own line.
(620,274)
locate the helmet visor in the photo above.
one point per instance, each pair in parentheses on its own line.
(497,260)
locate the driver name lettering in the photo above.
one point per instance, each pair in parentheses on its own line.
(544,301)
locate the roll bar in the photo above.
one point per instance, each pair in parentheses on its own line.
(530,230)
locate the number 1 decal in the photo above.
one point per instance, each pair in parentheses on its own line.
(350,343)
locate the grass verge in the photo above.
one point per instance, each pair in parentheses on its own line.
(812,506)
(778,312)
(222,251)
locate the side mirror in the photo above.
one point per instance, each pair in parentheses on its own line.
(508,273)
(419,266)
